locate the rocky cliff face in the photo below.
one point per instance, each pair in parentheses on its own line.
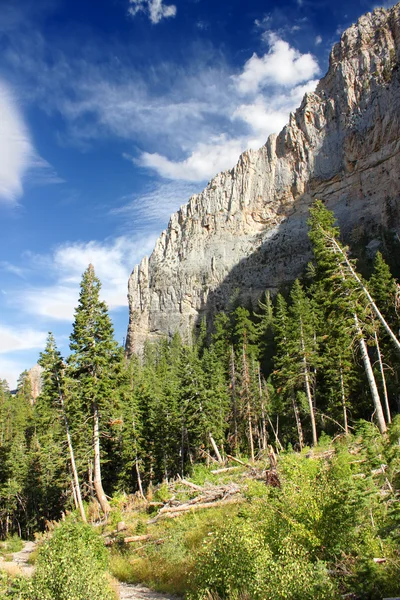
(246,232)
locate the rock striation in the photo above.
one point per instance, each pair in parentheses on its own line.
(246,232)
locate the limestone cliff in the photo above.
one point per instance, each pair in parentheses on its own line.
(247,230)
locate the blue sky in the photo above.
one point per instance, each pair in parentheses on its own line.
(111,115)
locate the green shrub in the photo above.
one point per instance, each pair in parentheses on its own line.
(71,566)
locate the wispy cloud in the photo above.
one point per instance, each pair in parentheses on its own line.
(153,207)
(186,121)
(19,161)
(112,260)
(155,9)
(16,339)
(16,150)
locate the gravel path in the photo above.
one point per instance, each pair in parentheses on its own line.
(138,592)
(126,591)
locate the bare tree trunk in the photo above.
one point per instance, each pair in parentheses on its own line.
(75,481)
(233,387)
(385,394)
(346,426)
(370,377)
(246,393)
(308,388)
(263,423)
(298,423)
(250,432)
(97,481)
(139,479)
(376,310)
(215,448)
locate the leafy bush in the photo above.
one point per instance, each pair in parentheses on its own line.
(71,566)
(316,537)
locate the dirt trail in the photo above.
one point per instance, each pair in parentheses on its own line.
(138,592)
(19,562)
(127,591)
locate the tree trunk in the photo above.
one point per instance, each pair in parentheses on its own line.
(246,393)
(298,423)
(233,387)
(250,432)
(376,310)
(263,422)
(385,394)
(346,426)
(308,388)
(370,377)
(215,448)
(75,481)
(97,482)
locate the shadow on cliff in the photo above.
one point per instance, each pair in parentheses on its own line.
(284,251)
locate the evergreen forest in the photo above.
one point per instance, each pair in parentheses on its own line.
(306,382)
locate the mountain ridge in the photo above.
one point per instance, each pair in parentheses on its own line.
(247,229)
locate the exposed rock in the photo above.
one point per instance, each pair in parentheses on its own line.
(35,376)
(247,230)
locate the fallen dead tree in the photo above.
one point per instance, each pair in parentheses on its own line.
(128,540)
(176,511)
(208,497)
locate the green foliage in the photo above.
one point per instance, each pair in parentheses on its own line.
(71,566)
(316,537)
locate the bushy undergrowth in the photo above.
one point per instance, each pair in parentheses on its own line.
(71,566)
(315,537)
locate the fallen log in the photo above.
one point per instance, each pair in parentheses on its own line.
(193,486)
(137,538)
(129,539)
(224,470)
(156,542)
(249,466)
(178,510)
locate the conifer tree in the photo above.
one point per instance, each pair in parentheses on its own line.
(341,288)
(283,362)
(53,393)
(93,362)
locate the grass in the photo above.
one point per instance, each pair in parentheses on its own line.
(167,566)
(9,546)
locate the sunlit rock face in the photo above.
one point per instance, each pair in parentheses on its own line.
(247,232)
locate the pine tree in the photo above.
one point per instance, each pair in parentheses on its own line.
(53,393)
(342,288)
(93,362)
(285,376)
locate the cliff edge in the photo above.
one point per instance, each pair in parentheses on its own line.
(246,232)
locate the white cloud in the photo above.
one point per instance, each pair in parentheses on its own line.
(318,40)
(11,369)
(205,160)
(282,65)
(155,205)
(16,150)
(199,123)
(155,9)
(10,268)
(15,339)
(264,116)
(112,260)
